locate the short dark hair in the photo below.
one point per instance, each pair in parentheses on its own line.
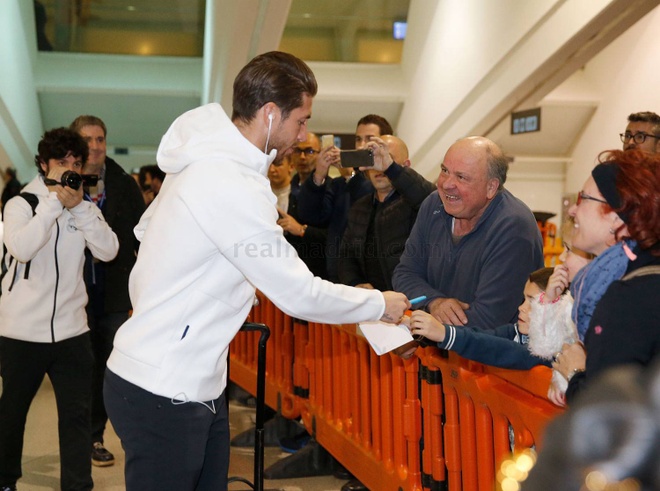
(647,117)
(381,122)
(644,117)
(87,120)
(57,144)
(276,77)
(155,171)
(540,277)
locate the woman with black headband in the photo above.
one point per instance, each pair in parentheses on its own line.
(617,218)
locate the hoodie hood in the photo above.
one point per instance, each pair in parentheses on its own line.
(36,186)
(205,135)
(202,134)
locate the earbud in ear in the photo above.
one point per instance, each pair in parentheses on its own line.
(270,116)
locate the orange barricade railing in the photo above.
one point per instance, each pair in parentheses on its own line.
(364,409)
(436,421)
(486,409)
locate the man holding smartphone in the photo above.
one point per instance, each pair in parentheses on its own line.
(379,223)
(325,202)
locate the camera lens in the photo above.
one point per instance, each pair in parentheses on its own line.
(71,179)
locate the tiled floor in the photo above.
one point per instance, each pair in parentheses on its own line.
(41,460)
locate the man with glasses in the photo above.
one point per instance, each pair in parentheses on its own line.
(642,132)
(309,241)
(303,159)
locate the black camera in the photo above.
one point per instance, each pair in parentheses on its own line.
(74,180)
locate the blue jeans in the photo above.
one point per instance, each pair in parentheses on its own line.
(182,446)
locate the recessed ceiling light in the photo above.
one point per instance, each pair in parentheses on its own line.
(307,16)
(131,8)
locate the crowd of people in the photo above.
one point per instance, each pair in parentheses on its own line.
(134,326)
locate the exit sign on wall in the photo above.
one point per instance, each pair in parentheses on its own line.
(526,121)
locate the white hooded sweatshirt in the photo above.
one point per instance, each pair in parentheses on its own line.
(49,305)
(208,240)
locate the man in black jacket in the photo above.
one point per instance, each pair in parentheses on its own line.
(121,202)
(379,223)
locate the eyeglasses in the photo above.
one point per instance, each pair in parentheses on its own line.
(638,138)
(583,196)
(307,151)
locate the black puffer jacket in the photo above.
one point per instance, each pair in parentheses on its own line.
(393,222)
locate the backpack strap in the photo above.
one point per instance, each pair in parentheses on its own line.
(643,271)
(33,201)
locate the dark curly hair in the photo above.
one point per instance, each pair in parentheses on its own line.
(638,187)
(57,144)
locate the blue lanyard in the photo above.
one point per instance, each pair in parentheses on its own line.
(100,200)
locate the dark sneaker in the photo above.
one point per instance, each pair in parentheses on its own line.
(7,488)
(100,456)
(295,443)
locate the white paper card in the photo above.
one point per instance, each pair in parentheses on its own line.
(384,337)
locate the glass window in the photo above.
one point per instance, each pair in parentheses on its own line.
(137,27)
(367,31)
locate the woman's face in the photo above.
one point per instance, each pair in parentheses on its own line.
(592,224)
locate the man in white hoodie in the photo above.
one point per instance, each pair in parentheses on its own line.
(43,326)
(208,240)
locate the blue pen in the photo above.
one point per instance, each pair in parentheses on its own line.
(417,300)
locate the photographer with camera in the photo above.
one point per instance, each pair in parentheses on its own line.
(43,327)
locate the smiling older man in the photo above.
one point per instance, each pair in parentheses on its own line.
(473,244)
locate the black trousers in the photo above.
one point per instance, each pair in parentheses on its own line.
(168,444)
(23,366)
(102,330)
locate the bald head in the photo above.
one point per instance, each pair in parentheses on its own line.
(304,156)
(495,162)
(472,173)
(398,149)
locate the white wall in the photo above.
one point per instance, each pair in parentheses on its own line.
(462,80)
(626,76)
(20,119)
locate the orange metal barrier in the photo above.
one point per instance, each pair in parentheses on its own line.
(364,409)
(481,405)
(552,249)
(432,422)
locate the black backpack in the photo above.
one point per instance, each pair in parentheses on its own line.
(33,200)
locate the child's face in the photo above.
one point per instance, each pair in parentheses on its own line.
(574,260)
(531,291)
